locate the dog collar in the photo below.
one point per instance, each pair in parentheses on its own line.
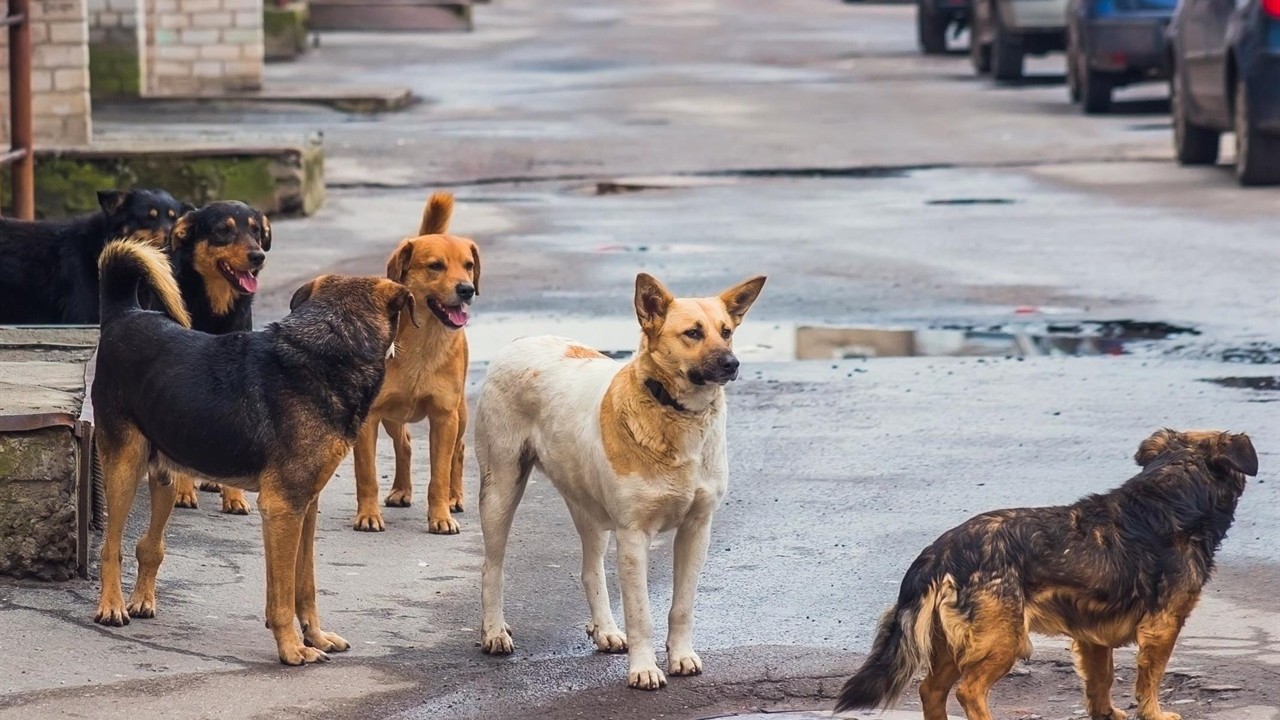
(663,397)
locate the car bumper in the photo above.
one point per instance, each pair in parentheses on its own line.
(1262,79)
(1035,15)
(1126,43)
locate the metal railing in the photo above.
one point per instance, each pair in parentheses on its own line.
(21,153)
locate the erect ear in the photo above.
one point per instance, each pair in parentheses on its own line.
(403,300)
(738,299)
(181,230)
(1237,451)
(186,207)
(266,232)
(303,294)
(652,302)
(398,264)
(475,271)
(110,201)
(1153,446)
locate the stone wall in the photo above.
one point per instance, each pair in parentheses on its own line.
(38,503)
(201,47)
(113,48)
(59,74)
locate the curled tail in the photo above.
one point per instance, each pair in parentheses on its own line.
(902,645)
(126,263)
(435,216)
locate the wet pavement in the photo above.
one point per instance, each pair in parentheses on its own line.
(977,298)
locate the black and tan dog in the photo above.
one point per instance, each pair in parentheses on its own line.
(49,268)
(216,253)
(1113,569)
(272,411)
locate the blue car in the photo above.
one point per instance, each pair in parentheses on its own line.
(1112,43)
(1226,77)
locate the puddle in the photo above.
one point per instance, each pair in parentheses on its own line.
(764,341)
(658,182)
(971,201)
(1259,382)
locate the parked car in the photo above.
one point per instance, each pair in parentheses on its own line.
(1112,43)
(1226,77)
(1004,32)
(934,18)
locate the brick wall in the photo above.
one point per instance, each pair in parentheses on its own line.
(59,74)
(201,47)
(113,21)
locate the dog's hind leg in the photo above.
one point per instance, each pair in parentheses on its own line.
(233,500)
(942,676)
(368,515)
(633,576)
(184,490)
(504,472)
(304,591)
(401,493)
(150,551)
(123,461)
(1157,635)
(1096,667)
(690,548)
(997,639)
(603,629)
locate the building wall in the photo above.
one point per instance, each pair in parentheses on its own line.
(201,47)
(59,74)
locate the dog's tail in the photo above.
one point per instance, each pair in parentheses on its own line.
(903,641)
(435,216)
(126,263)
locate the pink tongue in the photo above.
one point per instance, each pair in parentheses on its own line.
(457,315)
(247,281)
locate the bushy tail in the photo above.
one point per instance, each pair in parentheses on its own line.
(435,216)
(126,263)
(902,646)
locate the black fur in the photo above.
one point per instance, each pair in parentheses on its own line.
(208,225)
(49,269)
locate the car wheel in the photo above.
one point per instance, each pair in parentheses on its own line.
(1257,153)
(1073,75)
(979,53)
(1193,144)
(932,31)
(1006,51)
(1095,90)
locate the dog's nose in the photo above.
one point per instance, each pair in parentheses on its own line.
(729,365)
(256,258)
(465,291)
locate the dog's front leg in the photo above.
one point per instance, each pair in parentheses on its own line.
(368,514)
(633,576)
(444,442)
(1156,638)
(282,525)
(691,542)
(304,592)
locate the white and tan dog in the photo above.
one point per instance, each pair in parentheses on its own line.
(636,449)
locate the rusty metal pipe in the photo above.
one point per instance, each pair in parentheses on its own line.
(21,127)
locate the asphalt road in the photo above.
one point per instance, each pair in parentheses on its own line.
(876,188)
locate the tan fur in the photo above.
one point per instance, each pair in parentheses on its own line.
(583,353)
(157,267)
(425,379)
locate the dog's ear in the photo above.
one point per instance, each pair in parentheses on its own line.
(738,299)
(1154,446)
(475,271)
(398,265)
(181,230)
(303,294)
(111,201)
(652,302)
(1237,452)
(266,232)
(186,207)
(435,216)
(404,300)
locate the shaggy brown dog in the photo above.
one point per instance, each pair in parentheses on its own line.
(1113,569)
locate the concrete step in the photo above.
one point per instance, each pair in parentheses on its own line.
(391,15)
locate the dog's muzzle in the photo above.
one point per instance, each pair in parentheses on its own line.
(719,370)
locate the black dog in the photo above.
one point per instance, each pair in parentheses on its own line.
(49,269)
(1113,569)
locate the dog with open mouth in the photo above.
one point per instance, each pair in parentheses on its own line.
(216,254)
(427,376)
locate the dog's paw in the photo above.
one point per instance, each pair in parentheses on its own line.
(235,504)
(112,612)
(209,486)
(399,498)
(142,607)
(498,643)
(370,521)
(684,663)
(455,505)
(442,525)
(1159,716)
(325,641)
(185,498)
(646,678)
(1112,714)
(301,655)
(607,639)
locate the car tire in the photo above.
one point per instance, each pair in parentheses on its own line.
(1095,90)
(979,54)
(1192,144)
(1257,153)
(931,31)
(1006,52)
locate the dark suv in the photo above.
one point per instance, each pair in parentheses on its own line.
(1111,43)
(1226,77)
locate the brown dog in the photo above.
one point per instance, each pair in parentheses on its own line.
(273,412)
(427,378)
(1113,569)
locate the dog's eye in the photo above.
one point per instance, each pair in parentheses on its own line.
(693,333)
(469,266)
(436,266)
(172,214)
(726,333)
(154,213)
